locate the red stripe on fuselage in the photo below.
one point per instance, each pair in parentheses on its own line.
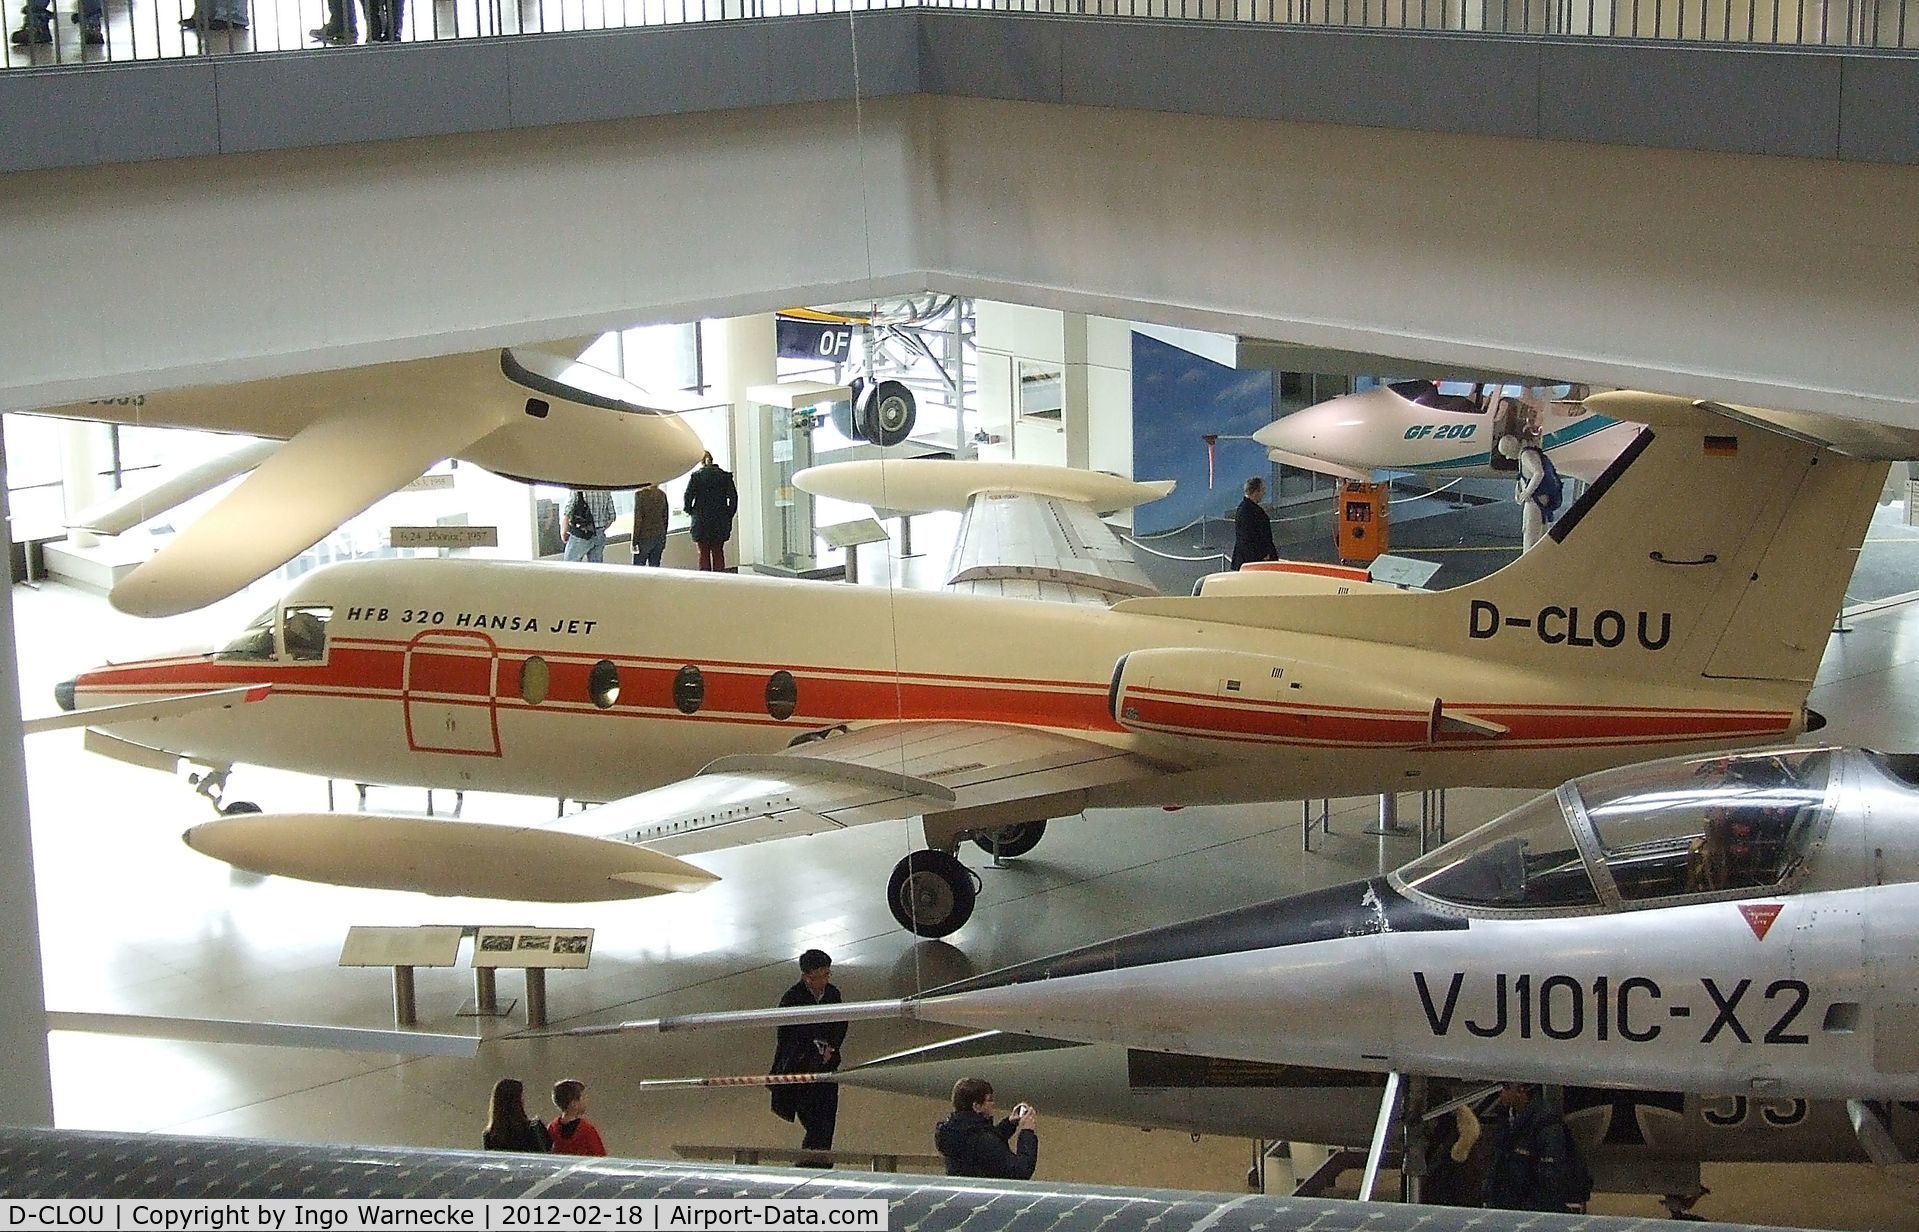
(735,692)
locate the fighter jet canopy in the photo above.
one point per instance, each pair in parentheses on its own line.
(1643,836)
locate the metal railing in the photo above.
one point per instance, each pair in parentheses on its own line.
(112,31)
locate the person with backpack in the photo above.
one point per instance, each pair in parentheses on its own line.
(589,511)
(1539,490)
(1535,1164)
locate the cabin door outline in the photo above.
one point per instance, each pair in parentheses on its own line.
(449,688)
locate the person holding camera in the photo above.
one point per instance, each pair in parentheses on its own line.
(974,1145)
(810,1048)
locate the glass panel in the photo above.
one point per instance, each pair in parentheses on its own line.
(1703,826)
(1525,859)
(306,632)
(254,644)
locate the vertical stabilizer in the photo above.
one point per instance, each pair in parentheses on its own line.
(1709,548)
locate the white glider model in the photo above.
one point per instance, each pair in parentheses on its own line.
(1683,604)
(358,434)
(1410,426)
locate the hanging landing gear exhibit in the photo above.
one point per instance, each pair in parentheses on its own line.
(881,412)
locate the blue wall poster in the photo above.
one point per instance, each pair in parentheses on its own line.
(1178,398)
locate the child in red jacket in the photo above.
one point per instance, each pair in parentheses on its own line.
(571,1132)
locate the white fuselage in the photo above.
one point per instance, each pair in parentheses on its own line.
(1816,1003)
(428,679)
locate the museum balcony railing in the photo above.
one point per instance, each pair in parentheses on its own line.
(135,30)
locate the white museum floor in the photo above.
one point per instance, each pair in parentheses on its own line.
(133,921)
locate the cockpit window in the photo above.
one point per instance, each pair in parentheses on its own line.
(1526,859)
(306,632)
(1706,826)
(255,643)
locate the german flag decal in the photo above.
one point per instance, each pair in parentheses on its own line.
(1722,446)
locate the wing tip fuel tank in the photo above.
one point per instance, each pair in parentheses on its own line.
(442,857)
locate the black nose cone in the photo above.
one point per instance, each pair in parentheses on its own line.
(63,693)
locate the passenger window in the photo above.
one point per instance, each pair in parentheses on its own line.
(254,643)
(1526,859)
(306,633)
(603,684)
(1712,825)
(782,695)
(535,679)
(689,689)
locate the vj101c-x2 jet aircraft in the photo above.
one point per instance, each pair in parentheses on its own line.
(1738,926)
(358,434)
(1682,605)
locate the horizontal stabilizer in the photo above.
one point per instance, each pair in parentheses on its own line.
(454,858)
(267,1034)
(129,507)
(163,708)
(1856,438)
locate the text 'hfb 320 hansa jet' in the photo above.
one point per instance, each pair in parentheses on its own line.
(1682,605)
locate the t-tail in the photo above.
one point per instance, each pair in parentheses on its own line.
(1711,548)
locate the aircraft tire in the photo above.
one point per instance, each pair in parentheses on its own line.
(238,807)
(884,413)
(1012,841)
(931,893)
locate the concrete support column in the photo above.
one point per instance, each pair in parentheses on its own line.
(737,353)
(83,455)
(1075,386)
(26,1083)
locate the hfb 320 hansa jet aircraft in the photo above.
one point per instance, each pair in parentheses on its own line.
(1682,605)
(1734,925)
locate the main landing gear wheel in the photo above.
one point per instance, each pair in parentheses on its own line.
(883,412)
(1010,842)
(931,893)
(238,808)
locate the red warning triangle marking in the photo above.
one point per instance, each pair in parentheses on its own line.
(1760,916)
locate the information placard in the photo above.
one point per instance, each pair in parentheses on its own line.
(521,946)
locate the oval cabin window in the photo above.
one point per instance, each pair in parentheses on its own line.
(535,680)
(603,684)
(689,689)
(782,695)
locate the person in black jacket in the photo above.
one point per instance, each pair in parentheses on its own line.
(508,1127)
(974,1146)
(712,500)
(1252,529)
(810,1048)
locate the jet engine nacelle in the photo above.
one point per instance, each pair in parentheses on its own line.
(1242,696)
(583,427)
